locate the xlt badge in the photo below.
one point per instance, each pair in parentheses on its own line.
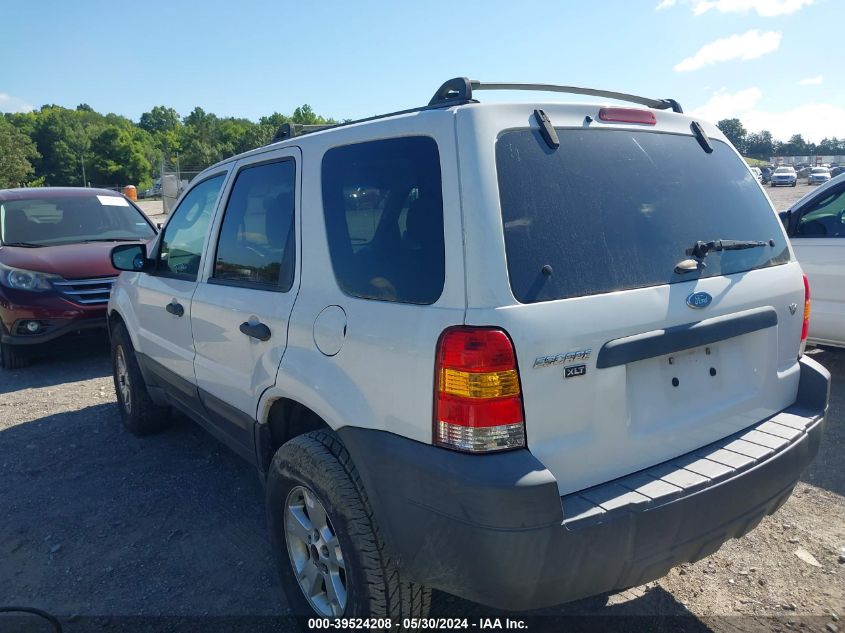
(574,370)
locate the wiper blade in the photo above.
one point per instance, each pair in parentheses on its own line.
(23,244)
(112,239)
(700,250)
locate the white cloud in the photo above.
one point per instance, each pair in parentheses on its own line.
(811,81)
(750,45)
(763,8)
(9,103)
(814,121)
(724,105)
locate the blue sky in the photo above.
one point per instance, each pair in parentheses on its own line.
(776,64)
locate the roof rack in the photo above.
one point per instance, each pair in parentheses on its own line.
(289,130)
(460,90)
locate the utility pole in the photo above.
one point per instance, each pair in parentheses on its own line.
(82,160)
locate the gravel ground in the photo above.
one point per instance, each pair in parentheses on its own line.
(95,523)
(783,197)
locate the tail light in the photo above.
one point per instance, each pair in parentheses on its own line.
(478,400)
(805,329)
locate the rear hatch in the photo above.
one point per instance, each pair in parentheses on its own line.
(624,362)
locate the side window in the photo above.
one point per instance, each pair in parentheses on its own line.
(825,217)
(184,235)
(256,245)
(383,205)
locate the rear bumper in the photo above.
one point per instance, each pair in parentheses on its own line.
(494,529)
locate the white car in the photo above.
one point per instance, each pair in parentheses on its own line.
(784,176)
(818,176)
(757,173)
(537,356)
(816,227)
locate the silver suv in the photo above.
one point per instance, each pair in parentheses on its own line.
(521,353)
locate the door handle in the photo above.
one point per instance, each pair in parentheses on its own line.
(174,307)
(259,331)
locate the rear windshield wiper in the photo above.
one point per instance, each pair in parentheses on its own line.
(23,244)
(700,250)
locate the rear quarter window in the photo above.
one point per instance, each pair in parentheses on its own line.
(612,210)
(383,206)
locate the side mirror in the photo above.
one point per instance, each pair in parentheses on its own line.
(130,257)
(784,218)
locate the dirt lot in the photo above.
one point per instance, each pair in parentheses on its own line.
(96,524)
(783,197)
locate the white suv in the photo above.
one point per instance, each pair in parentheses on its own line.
(521,353)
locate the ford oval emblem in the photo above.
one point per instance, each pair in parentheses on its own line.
(699,300)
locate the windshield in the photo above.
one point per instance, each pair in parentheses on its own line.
(784,170)
(617,209)
(819,170)
(53,221)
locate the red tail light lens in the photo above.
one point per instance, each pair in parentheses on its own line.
(478,400)
(627,115)
(805,328)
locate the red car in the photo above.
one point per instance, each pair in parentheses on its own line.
(55,267)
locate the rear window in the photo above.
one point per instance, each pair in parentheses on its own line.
(617,209)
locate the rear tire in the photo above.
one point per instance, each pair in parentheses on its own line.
(11,358)
(313,483)
(140,415)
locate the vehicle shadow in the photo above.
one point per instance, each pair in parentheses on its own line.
(80,359)
(826,470)
(97,521)
(651,610)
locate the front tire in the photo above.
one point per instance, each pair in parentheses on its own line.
(326,542)
(140,415)
(10,358)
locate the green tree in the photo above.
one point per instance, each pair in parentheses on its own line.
(831,147)
(120,157)
(797,146)
(760,145)
(17,152)
(58,164)
(160,119)
(735,131)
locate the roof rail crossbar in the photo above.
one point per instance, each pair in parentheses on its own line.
(657,104)
(289,130)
